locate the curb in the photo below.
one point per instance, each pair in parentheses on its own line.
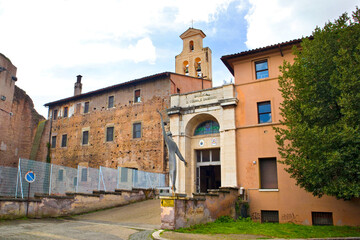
(156,235)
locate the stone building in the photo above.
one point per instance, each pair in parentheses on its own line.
(18,119)
(226,135)
(118,125)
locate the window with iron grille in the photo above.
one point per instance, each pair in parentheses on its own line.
(64,140)
(85,137)
(86,107)
(53,142)
(268,173)
(84,175)
(137,97)
(111,102)
(55,112)
(110,134)
(269,216)
(322,218)
(137,130)
(261,69)
(66,110)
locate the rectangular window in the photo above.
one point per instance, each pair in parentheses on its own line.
(75,181)
(322,218)
(53,142)
(264,112)
(111,102)
(55,112)
(66,109)
(110,134)
(269,216)
(268,173)
(85,138)
(86,107)
(137,97)
(84,175)
(64,140)
(61,175)
(261,69)
(137,130)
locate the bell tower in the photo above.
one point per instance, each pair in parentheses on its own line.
(194,60)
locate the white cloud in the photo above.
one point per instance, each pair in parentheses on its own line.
(274,21)
(41,35)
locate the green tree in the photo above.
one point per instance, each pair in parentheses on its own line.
(320,143)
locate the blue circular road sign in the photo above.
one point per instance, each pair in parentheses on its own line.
(30,177)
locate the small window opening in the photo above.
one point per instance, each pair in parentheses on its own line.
(191,45)
(137,97)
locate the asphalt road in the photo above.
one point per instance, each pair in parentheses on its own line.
(134,221)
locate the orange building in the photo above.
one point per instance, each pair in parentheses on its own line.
(226,134)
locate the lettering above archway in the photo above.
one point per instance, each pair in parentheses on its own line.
(207,127)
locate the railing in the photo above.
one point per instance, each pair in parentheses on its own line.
(56,179)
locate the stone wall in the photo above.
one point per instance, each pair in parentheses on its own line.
(179,212)
(73,203)
(18,129)
(144,153)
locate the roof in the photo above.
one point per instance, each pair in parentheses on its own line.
(106,89)
(226,58)
(192,32)
(114,87)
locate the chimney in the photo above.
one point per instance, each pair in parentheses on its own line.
(78,85)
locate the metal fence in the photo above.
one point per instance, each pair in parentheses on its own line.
(56,179)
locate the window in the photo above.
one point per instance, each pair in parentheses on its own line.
(264,112)
(61,175)
(84,175)
(191,45)
(111,102)
(269,216)
(110,134)
(137,97)
(261,69)
(322,218)
(75,181)
(64,140)
(66,109)
(53,142)
(85,138)
(55,112)
(208,127)
(137,130)
(208,155)
(268,173)
(86,107)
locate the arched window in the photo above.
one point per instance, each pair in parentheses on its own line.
(208,127)
(191,46)
(186,67)
(198,64)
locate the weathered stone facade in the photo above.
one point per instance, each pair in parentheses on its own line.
(18,118)
(134,102)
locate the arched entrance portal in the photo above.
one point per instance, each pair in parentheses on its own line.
(205,137)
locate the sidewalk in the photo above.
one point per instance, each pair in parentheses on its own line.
(169,235)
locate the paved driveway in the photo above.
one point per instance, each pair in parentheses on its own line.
(134,221)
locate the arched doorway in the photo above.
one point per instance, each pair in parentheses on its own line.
(204,131)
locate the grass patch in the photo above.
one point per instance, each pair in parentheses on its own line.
(273,230)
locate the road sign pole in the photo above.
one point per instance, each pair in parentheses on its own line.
(28,201)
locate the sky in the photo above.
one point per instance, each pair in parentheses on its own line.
(114,41)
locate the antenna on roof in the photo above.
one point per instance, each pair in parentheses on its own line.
(192,23)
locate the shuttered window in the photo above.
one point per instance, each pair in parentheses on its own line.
(268,173)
